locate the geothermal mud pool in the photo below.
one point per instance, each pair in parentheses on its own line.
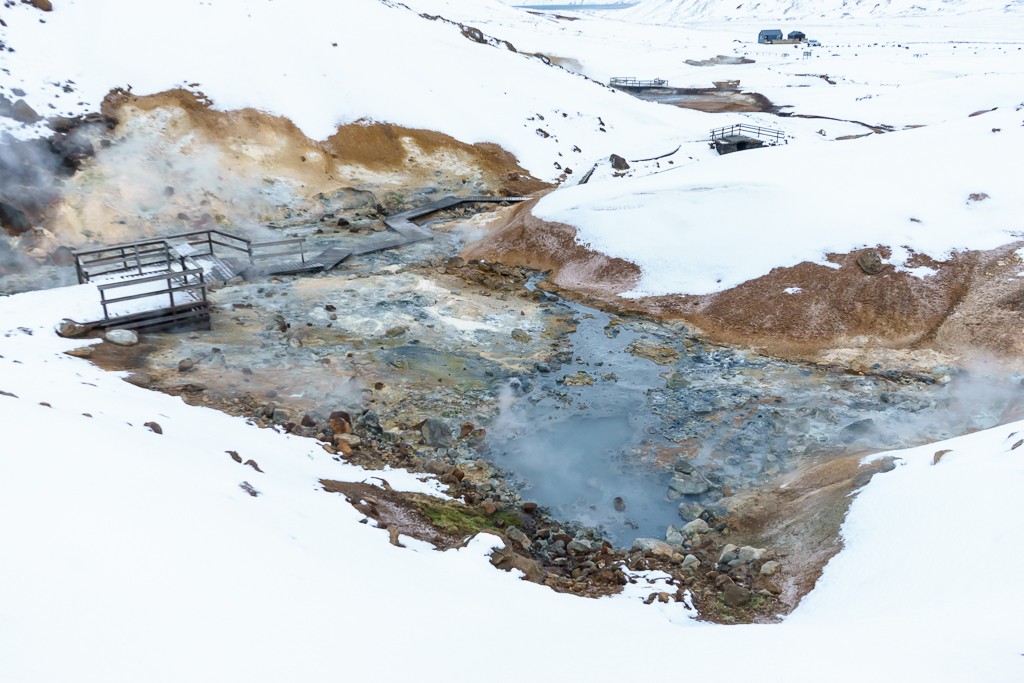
(622,424)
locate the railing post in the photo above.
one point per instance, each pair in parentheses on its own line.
(302,252)
(209,241)
(170,289)
(103,302)
(138,261)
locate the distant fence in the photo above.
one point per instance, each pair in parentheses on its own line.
(630,82)
(769,134)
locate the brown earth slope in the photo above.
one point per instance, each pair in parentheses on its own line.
(972,307)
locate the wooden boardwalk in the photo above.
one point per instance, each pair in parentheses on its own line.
(161,284)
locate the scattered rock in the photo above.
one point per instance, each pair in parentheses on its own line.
(529,507)
(69,328)
(686,481)
(690,561)
(654,547)
(618,163)
(770,568)
(507,559)
(81,352)
(697,526)
(139,379)
(186,364)
(23,113)
(340,422)
(517,536)
(870,261)
(252,464)
(436,433)
(735,596)
(235,456)
(973,197)
(619,504)
(397,331)
(122,337)
(154,427)
(44,5)
(521,336)
(248,488)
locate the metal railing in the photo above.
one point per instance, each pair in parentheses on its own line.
(135,259)
(631,82)
(191,281)
(747,129)
(295,246)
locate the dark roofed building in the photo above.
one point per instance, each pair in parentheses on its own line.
(797,35)
(768,35)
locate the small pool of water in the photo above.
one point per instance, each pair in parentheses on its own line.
(595,432)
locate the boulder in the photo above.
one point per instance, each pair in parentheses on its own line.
(653,546)
(735,596)
(507,559)
(687,484)
(870,261)
(516,535)
(436,433)
(69,328)
(697,526)
(23,113)
(122,337)
(618,163)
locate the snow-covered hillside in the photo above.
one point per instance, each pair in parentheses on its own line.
(343,62)
(682,11)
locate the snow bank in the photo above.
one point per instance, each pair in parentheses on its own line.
(708,227)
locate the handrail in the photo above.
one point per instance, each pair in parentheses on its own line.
(150,278)
(740,128)
(177,281)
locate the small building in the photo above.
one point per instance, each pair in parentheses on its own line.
(769,35)
(797,35)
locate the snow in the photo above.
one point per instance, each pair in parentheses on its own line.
(709,227)
(133,555)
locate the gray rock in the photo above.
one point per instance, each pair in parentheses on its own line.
(697,526)
(521,336)
(653,546)
(690,511)
(23,113)
(516,535)
(687,484)
(770,568)
(122,337)
(579,546)
(618,163)
(69,328)
(870,261)
(749,554)
(735,596)
(729,554)
(673,537)
(690,561)
(436,433)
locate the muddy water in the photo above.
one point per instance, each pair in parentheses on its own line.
(596,433)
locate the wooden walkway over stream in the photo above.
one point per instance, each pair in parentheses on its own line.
(160,284)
